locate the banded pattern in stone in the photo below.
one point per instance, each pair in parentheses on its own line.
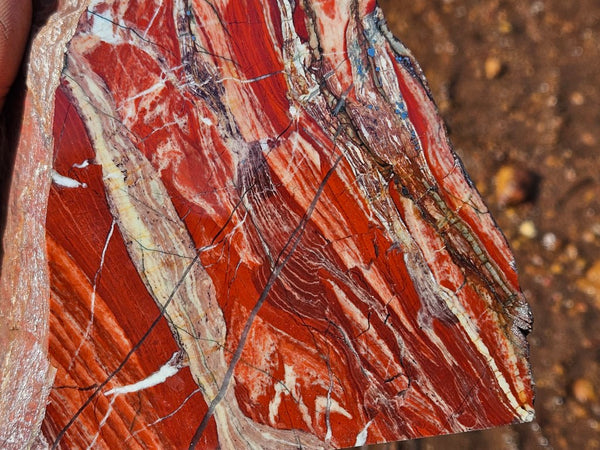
(259,237)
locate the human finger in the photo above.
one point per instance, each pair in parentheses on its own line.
(15,22)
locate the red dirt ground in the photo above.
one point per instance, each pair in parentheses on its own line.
(517,83)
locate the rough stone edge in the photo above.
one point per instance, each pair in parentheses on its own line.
(26,374)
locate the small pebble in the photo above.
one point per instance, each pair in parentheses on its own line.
(515,185)
(590,284)
(492,67)
(571,252)
(550,242)
(588,139)
(577,98)
(527,229)
(588,237)
(504,26)
(583,390)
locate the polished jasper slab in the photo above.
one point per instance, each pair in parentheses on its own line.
(258,236)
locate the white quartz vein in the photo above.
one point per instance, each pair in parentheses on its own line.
(102,423)
(93,296)
(64,181)
(153,19)
(361,438)
(170,368)
(81,165)
(171,414)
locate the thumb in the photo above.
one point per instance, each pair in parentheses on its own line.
(15,22)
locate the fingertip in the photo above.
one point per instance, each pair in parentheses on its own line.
(15,23)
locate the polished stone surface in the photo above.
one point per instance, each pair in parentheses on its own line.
(259,236)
